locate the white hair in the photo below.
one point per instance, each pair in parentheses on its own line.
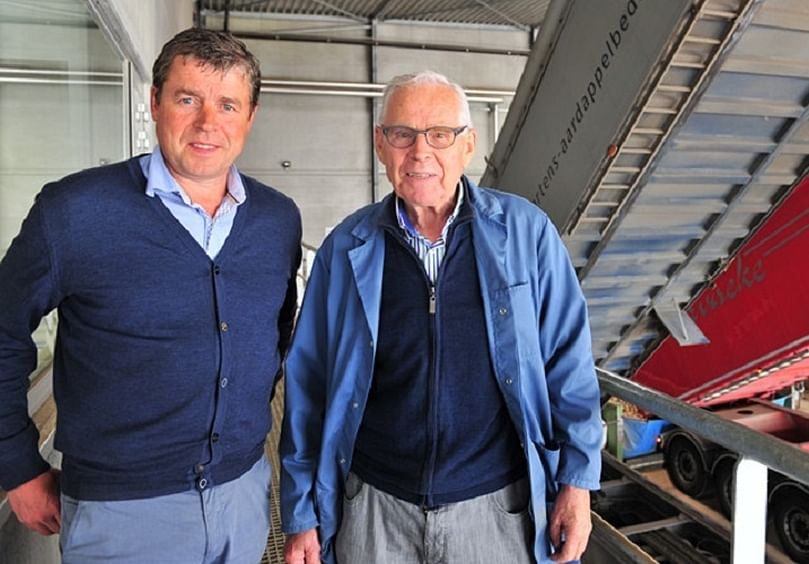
(427,77)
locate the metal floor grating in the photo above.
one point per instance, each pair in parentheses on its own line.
(274,554)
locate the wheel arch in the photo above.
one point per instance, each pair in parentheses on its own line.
(783,484)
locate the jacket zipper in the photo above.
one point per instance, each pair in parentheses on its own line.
(432,408)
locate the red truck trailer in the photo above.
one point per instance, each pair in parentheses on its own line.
(755,314)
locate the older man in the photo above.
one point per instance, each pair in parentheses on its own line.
(440,386)
(174,278)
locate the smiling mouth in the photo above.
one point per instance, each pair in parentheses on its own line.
(419,174)
(204,146)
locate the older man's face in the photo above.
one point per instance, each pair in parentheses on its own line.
(425,177)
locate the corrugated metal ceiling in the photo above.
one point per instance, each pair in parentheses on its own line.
(521,14)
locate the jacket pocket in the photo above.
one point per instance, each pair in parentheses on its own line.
(353,488)
(526,321)
(71,515)
(543,465)
(549,457)
(513,499)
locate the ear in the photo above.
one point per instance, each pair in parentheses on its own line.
(379,140)
(154,102)
(470,140)
(252,117)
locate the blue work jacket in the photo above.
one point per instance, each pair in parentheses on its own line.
(538,338)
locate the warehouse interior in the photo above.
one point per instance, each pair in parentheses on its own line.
(657,155)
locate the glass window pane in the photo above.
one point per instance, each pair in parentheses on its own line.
(61,108)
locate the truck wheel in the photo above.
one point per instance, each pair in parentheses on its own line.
(723,478)
(791,511)
(684,466)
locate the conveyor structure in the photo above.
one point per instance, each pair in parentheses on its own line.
(656,152)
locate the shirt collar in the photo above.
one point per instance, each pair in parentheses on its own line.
(158,178)
(406,225)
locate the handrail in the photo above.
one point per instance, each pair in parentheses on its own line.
(757,452)
(771,451)
(307,258)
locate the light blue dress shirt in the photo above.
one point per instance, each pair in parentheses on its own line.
(210,232)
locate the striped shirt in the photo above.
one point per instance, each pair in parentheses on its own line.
(430,253)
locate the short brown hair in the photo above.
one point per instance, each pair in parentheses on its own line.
(216,49)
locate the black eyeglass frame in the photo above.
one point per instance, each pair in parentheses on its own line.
(416,132)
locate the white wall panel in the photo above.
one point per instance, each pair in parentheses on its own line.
(325,141)
(329,139)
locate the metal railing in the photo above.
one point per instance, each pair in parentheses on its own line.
(757,452)
(307,260)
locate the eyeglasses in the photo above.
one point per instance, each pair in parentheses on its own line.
(439,137)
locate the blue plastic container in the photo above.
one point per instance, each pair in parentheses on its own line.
(640,435)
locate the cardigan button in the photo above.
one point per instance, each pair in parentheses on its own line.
(217,270)
(503,311)
(224,327)
(509,381)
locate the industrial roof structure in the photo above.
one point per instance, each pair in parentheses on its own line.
(716,140)
(521,14)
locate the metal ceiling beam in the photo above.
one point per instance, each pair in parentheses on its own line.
(320,30)
(381,43)
(339,10)
(380,8)
(503,15)
(241,7)
(377,10)
(454,9)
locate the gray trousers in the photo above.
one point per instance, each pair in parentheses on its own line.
(378,528)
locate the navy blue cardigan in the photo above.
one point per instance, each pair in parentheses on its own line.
(165,359)
(436,429)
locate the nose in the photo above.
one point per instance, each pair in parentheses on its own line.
(420,147)
(206,117)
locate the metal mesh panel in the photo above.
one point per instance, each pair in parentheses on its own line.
(275,542)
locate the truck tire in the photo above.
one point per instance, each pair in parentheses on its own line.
(790,508)
(723,479)
(685,468)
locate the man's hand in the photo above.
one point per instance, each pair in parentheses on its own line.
(302,548)
(570,522)
(36,503)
